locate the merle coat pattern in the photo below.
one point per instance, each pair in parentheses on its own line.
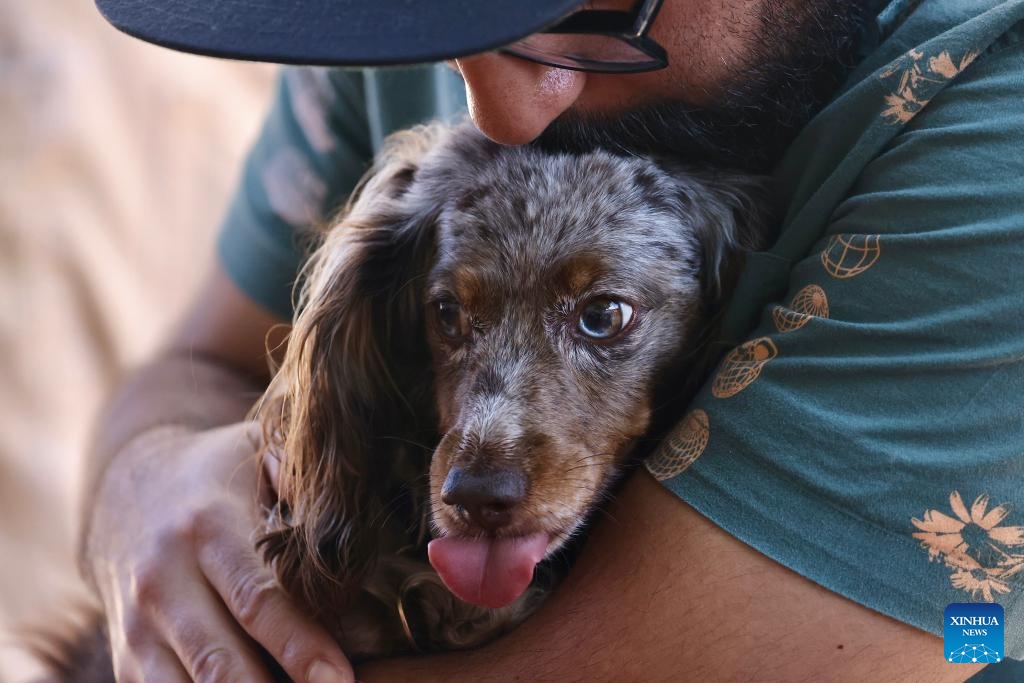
(445,330)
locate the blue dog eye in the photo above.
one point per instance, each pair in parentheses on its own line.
(603,318)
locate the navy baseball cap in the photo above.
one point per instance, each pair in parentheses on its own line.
(334,32)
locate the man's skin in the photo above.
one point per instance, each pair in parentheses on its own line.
(659,592)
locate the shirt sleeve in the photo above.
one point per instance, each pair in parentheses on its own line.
(322,131)
(869,434)
(314,146)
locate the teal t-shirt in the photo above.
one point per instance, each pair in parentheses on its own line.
(866,426)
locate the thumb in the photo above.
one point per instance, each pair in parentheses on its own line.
(270,458)
(272,468)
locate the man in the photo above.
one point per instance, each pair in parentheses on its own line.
(855,463)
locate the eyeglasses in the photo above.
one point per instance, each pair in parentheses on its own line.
(604,41)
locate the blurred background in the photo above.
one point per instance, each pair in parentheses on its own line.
(116,162)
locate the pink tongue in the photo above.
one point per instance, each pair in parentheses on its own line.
(491,572)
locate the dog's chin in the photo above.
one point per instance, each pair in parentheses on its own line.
(488,570)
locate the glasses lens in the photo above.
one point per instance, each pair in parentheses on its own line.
(584,51)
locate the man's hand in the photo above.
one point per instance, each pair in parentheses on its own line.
(170,547)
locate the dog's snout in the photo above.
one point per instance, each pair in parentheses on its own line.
(489,497)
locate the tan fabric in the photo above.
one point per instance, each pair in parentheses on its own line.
(116,159)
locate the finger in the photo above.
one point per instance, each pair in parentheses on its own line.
(161,665)
(206,640)
(124,662)
(269,460)
(167,602)
(272,468)
(302,647)
(137,659)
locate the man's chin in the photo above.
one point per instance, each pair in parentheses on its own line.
(801,60)
(675,128)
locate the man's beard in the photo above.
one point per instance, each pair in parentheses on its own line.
(802,56)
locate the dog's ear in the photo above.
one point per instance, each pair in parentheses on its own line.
(731,214)
(354,381)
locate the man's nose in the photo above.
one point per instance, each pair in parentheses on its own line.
(513,100)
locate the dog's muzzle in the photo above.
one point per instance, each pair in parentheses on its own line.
(488,498)
(487,569)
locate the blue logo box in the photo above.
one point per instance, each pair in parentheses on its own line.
(973,632)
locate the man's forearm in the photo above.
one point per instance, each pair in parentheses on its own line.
(662,594)
(177,389)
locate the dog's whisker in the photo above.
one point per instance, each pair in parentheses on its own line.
(405,285)
(422,446)
(524,358)
(388,509)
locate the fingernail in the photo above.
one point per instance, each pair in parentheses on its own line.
(323,672)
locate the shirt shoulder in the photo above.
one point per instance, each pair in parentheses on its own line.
(319,137)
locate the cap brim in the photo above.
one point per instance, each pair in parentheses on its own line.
(334,32)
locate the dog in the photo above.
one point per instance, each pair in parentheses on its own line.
(483,339)
(486,339)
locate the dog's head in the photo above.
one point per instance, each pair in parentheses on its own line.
(509,319)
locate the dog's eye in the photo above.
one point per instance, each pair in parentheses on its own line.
(603,318)
(453,323)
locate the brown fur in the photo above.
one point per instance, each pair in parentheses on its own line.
(372,396)
(374,405)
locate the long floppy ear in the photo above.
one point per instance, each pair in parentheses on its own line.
(354,388)
(731,214)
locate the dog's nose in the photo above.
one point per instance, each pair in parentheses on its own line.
(488,496)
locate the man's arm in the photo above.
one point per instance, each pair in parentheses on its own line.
(209,375)
(171,510)
(662,594)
